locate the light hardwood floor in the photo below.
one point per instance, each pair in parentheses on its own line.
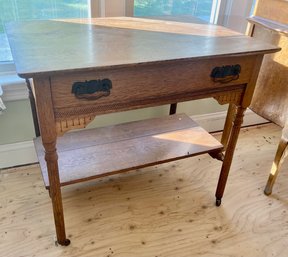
(166,210)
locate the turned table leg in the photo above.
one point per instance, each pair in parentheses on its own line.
(49,137)
(279,158)
(231,131)
(229,153)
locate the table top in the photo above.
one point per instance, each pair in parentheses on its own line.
(56,46)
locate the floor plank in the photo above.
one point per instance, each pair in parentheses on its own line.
(164,211)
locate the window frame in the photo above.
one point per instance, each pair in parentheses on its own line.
(229,14)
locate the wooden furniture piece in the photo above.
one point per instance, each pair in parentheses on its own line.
(84,68)
(177,18)
(270,24)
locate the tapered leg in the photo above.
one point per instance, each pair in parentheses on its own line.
(279,158)
(55,192)
(229,153)
(230,136)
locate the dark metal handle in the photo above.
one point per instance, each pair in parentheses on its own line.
(225,74)
(92,89)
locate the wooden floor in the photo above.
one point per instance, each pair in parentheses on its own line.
(167,210)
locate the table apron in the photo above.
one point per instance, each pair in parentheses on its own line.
(147,85)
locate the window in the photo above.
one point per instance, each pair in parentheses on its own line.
(198,8)
(14,10)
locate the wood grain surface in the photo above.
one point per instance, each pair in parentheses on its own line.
(273,77)
(63,46)
(276,10)
(47,49)
(163,211)
(95,153)
(148,85)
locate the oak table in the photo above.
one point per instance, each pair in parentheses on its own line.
(87,67)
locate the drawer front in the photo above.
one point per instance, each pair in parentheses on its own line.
(145,85)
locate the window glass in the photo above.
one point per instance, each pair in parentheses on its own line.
(13,10)
(198,8)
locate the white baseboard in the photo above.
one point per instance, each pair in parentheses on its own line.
(16,154)
(215,121)
(24,153)
(14,88)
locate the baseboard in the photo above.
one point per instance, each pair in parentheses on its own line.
(14,88)
(215,121)
(23,153)
(17,154)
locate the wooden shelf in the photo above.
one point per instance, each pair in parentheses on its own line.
(99,152)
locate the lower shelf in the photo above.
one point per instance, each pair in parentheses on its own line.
(89,154)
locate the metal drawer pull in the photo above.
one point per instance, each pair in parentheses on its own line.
(226,74)
(92,89)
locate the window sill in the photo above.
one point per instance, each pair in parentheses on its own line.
(14,88)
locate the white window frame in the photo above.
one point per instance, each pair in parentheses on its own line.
(233,14)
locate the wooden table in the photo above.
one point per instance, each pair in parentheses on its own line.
(83,68)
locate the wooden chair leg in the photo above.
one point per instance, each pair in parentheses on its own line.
(279,158)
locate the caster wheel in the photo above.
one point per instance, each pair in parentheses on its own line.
(65,243)
(218,202)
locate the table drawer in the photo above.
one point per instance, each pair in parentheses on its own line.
(144,85)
